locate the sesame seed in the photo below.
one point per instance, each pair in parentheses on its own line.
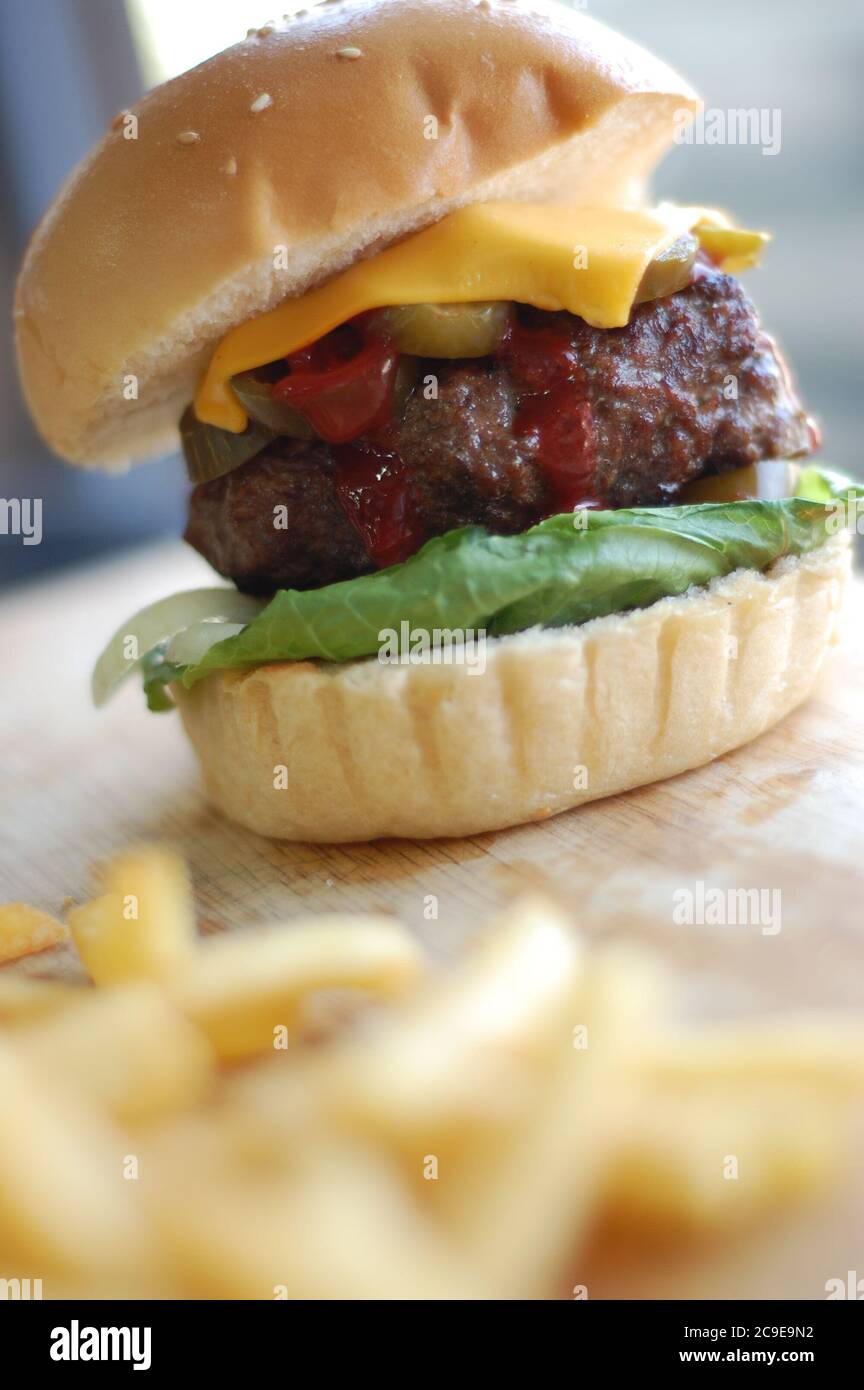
(230,165)
(261,102)
(349,53)
(188,137)
(265,30)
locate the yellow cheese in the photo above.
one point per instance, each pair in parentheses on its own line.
(588,261)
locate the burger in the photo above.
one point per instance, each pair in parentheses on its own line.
(511,487)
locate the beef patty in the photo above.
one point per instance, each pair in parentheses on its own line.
(691,385)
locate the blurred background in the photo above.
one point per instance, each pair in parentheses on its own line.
(66,67)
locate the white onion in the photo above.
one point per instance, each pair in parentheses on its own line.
(187,648)
(161,621)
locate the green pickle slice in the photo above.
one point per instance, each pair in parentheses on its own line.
(253,390)
(668,272)
(446,330)
(210,452)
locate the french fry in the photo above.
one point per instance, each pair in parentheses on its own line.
(330,1219)
(523,1213)
(824,1050)
(22,998)
(25,930)
(127,1049)
(713,1156)
(467,1051)
(241,989)
(64,1203)
(460,1146)
(143,924)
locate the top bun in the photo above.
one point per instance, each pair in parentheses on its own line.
(313,135)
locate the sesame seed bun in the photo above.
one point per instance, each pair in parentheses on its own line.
(312,135)
(557,718)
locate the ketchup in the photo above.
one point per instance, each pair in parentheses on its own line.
(343,384)
(539,357)
(554,420)
(373,492)
(558,427)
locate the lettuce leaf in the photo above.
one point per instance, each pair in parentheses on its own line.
(565,570)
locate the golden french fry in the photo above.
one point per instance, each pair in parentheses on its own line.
(466,1052)
(326,1220)
(64,1202)
(711,1156)
(25,930)
(128,1049)
(822,1049)
(524,1209)
(143,924)
(457,1148)
(243,990)
(22,998)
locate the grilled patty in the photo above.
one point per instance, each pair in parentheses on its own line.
(691,386)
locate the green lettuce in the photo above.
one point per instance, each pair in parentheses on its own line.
(565,570)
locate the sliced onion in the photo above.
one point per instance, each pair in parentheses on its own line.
(189,646)
(161,621)
(769,480)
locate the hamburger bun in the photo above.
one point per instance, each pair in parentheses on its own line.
(265,171)
(311,135)
(309,751)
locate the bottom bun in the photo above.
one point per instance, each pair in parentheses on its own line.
(311,751)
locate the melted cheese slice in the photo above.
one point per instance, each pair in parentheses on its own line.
(589,261)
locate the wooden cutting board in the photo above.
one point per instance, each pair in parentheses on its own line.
(785,813)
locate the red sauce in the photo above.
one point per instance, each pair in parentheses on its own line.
(343,384)
(539,357)
(372,487)
(558,427)
(554,418)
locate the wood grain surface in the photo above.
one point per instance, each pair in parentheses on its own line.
(784,813)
